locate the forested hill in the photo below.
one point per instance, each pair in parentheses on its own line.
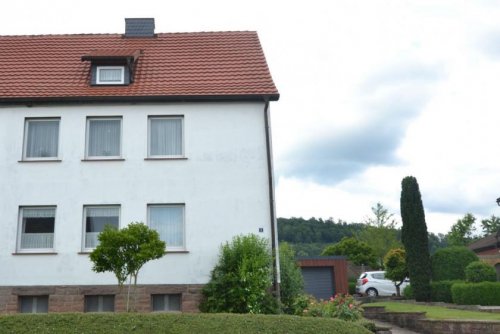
(299,230)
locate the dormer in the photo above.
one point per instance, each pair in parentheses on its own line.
(112,66)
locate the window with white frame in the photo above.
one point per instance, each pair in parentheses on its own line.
(165,136)
(103,138)
(41,138)
(36,228)
(95,219)
(166,302)
(168,220)
(99,303)
(33,304)
(110,75)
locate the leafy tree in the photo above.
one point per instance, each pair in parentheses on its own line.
(395,267)
(415,238)
(358,252)
(124,252)
(477,272)
(462,232)
(380,233)
(437,241)
(292,283)
(490,225)
(450,263)
(241,280)
(382,217)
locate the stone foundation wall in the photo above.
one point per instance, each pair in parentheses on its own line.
(71,298)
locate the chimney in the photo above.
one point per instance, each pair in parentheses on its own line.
(140,27)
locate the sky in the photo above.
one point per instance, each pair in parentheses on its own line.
(371,91)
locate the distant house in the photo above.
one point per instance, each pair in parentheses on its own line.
(488,250)
(171,129)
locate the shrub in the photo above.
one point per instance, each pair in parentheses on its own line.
(449,263)
(478,271)
(485,293)
(441,291)
(341,306)
(292,283)
(408,292)
(352,286)
(241,280)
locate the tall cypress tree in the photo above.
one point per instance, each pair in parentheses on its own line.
(415,240)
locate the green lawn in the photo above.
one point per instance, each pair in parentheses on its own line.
(181,323)
(436,312)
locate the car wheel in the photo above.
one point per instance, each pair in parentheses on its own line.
(371,292)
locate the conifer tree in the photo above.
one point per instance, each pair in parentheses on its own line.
(415,239)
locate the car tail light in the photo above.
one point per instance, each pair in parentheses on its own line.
(364,281)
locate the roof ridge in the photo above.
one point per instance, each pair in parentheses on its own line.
(121,34)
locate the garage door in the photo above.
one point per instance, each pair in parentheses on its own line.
(318,281)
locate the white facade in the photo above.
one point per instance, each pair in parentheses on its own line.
(222,183)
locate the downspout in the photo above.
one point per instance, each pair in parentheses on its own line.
(272,205)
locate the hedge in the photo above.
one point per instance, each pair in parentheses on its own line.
(477,272)
(221,323)
(485,293)
(440,291)
(449,263)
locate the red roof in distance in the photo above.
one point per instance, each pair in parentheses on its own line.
(204,64)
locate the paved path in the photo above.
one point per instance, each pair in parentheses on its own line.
(394,329)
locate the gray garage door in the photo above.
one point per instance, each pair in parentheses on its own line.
(318,281)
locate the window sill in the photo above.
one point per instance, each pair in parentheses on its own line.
(34,253)
(177,251)
(84,252)
(40,160)
(112,159)
(166,158)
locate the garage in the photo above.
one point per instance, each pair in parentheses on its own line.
(324,276)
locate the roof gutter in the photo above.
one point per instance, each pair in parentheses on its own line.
(272,205)
(135,99)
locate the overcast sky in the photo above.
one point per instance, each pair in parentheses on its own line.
(371,91)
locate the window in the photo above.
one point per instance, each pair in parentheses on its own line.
(110,75)
(33,304)
(171,302)
(95,218)
(165,136)
(168,220)
(100,303)
(41,139)
(104,138)
(36,225)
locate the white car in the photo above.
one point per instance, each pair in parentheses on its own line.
(374,283)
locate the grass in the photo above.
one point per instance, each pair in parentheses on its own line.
(436,312)
(111,323)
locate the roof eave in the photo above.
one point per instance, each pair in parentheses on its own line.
(135,99)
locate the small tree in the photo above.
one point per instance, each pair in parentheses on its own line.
(395,267)
(490,225)
(241,280)
(292,283)
(358,252)
(124,252)
(414,236)
(462,232)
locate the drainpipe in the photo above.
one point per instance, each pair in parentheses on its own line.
(272,205)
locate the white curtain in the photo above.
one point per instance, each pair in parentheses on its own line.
(110,75)
(104,137)
(42,139)
(166,136)
(40,239)
(102,212)
(169,222)
(96,219)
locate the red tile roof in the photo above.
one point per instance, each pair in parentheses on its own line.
(205,64)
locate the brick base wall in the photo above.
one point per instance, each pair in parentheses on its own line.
(70,298)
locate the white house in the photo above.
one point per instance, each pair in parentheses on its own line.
(171,129)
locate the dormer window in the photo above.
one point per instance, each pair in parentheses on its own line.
(110,75)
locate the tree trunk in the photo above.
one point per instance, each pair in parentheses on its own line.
(128,292)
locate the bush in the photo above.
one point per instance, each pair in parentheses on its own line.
(352,286)
(341,306)
(408,292)
(449,263)
(241,280)
(478,271)
(485,293)
(441,291)
(292,283)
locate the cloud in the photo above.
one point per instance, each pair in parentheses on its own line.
(389,99)
(489,44)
